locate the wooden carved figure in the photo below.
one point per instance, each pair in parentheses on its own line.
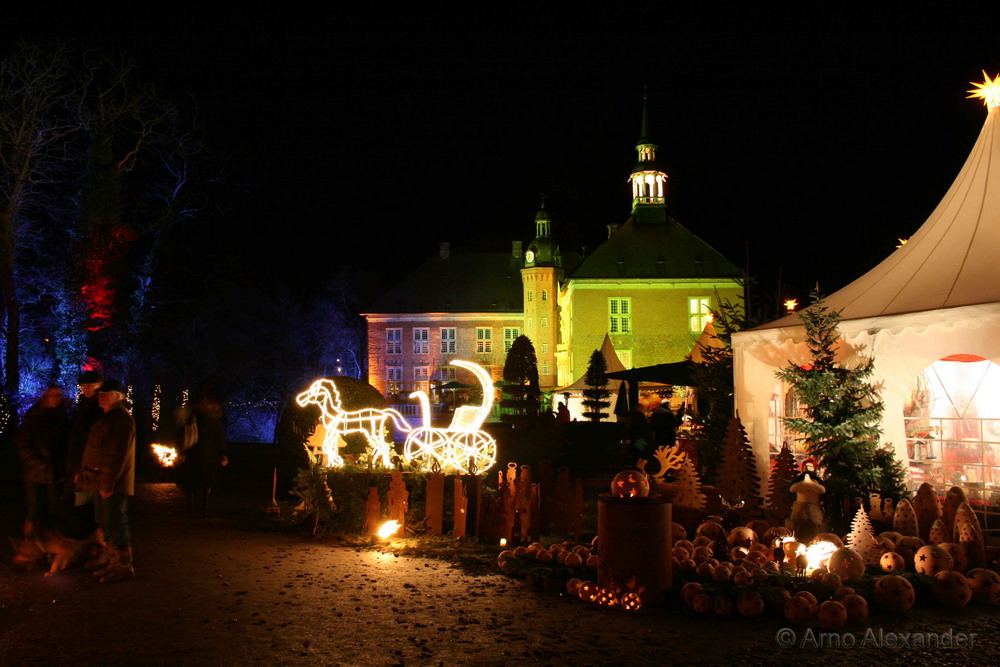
(807,516)
(435,503)
(461,508)
(373,511)
(399,499)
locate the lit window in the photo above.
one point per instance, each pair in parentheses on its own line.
(421,338)
(484,339)
(509,335)
(625,356)
(447,373)
(448,339)
(394,379)
(545,348)
(620,315)
(545,295)
(421,377)
(699,312)
(545,369)
(529,323)
(393,341)
(531,295)
(545,321)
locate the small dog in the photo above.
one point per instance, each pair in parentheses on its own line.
(63,550)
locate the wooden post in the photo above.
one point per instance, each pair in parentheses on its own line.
(562,502)
(474,492)
(461,508)
(634,536)
(546,485)
(399,500)
(536,513)
(373,511)
(435,503)
(576,517)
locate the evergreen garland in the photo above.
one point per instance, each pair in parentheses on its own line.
(842,422)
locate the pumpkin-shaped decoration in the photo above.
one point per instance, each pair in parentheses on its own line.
(959,557)
(560,556)
(505,555)
(894,593)
(736,554)
(905,520)
(630,484)
(750,604)
(588,591)
(892,562)
(938,534)
(808,596)
(544,556)
(761,547)
(758,558)
(689,564)
(907,547)
(607,597)
(985,585)
(856,606)
(743,578)
(677,532)
(847,563)
(573,586)
(631,602)
(703,603)
(593,560)
(831,581)
(520,551)
(710,529)
(774,533)
(776,598)
(688,591)
(680,553)
(828,537)
(891,535)
(843,592)
(799,610)
(722,572)
(724,605)
(741,536)
(687,544)
(952,501)
(703,541)
(931,559)
(705,570)
(572,560)
(702,553)
(927,507)
(759,527)
(951,588)
(832,614)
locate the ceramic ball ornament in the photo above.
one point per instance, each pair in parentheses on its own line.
(630,484)
(847,563)
(750,604)
(831,614)
(985,585)
(894,593)
(931,559)
(951,588)
(892,562)
(856,606)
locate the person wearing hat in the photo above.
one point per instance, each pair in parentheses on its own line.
(86,412)
(41,447)
(107,470)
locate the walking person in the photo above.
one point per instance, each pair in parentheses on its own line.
(107,470)
(41,447)
(206,431)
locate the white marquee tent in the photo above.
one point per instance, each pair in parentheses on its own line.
(929,314)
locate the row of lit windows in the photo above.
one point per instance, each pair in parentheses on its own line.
(448,339)
(620,314)
(545,295)
(421,377)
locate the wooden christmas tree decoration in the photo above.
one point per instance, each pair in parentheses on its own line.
(687,489)
(862,539)
(780,498)
(969,534)
(927,506)
(937,534)
(737,477)
(399,499)
(904,520)
(952,500)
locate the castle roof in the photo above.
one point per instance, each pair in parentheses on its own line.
(655,251)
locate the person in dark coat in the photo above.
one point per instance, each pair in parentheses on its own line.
(664,426)
(107,470)
(86,412)
(41,447)
(205,455)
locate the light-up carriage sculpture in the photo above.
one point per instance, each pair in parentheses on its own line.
(462,446)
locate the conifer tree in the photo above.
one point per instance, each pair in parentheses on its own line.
(862,538)
(783,472)
(687,487)
(520,375)
(842,421)
(596,397)
(737,478)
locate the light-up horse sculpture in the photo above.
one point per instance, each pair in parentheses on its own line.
(369,421)
(462,446)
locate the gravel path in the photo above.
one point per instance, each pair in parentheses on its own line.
(210,592)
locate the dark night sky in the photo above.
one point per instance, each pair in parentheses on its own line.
(368,137)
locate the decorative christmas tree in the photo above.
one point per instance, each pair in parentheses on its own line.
(904,519)
(783,471)
(843,413)
(520,376)
(596,397)
(862,538)
(687,487)
(737,477)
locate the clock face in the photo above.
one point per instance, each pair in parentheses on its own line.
(529,256)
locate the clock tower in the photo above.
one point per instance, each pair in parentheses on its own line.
(649,181)
(540,278)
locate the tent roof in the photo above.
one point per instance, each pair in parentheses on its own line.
(614,365)
(950,261)
(678,372)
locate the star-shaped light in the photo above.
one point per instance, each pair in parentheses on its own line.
(988,90)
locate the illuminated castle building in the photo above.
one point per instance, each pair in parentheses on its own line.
(649,286)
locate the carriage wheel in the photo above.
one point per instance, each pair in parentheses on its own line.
(425,446)
(474,450)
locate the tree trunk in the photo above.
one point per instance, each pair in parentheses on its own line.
(12,307)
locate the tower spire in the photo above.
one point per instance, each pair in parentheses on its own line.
(648,180)
(644,131)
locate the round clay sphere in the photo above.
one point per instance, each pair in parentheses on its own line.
(951,588)
(907,547)
(686,544)
(774,533)
(808,596)
(677,532)
(843,592)
(931,559)
(703,541)
(703,603)
(688,591)
(680,553)
(750,604)
(593,561)
(630,484)
(892,535)
(520,551)
(703,552)
(959,555)
(710,529)
(985,585)
(705,570)
(831,581)
(688,564)
(831,614)
(856,606)
(847,563)
(894,593)
(799,610)
(892,562)
(736,554)
(775,598)
(743,578)
(828,537)
(722,572)
(573,560)
(588,591)
(724,605)
(573,586)
(631,601)
(544,556)
(741,536)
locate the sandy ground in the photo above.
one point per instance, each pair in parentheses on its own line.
(216,592)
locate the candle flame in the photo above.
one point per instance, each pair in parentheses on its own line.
(388,529)
(165,456)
